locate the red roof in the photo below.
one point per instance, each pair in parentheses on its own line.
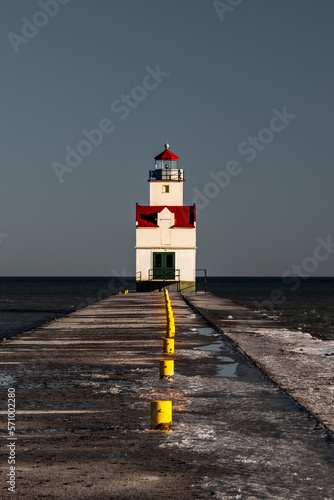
(166,155)
(147,216)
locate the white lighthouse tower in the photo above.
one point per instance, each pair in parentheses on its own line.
(165,230)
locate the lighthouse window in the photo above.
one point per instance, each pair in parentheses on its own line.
(165,188)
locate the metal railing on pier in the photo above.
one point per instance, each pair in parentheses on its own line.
(138,280)
(169,275)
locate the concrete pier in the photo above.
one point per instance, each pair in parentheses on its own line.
(83,389)
(299,363)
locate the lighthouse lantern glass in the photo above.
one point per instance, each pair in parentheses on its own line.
(166,164)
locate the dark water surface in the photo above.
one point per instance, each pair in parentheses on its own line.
(307,304)
(28,302)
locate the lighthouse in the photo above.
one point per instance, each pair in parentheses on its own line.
(166,230)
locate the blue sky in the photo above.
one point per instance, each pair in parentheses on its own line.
(226,73)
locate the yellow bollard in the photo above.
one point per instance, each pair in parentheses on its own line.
(170,316)
(167,369)
(170,331)
(170,321)
(161,415)
(168,345)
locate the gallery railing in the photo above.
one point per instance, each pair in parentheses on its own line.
(168,175)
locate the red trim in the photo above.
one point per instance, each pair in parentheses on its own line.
(166,155)
(147,216)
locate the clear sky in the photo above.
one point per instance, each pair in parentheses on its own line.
(241,90)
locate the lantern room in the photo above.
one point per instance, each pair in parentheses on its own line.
(166,167)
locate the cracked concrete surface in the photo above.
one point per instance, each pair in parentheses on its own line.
(83,389)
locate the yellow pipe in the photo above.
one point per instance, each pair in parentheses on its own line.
(161,415)
(167,369)
(168,345)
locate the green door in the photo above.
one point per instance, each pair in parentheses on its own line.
(164,265)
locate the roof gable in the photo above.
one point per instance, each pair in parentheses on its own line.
(147,216)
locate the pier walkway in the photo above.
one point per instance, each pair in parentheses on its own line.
(299,363)
(83,388)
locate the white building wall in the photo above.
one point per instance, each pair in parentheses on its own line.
(144,262)
(185,260)
(180,237)
(174,197)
